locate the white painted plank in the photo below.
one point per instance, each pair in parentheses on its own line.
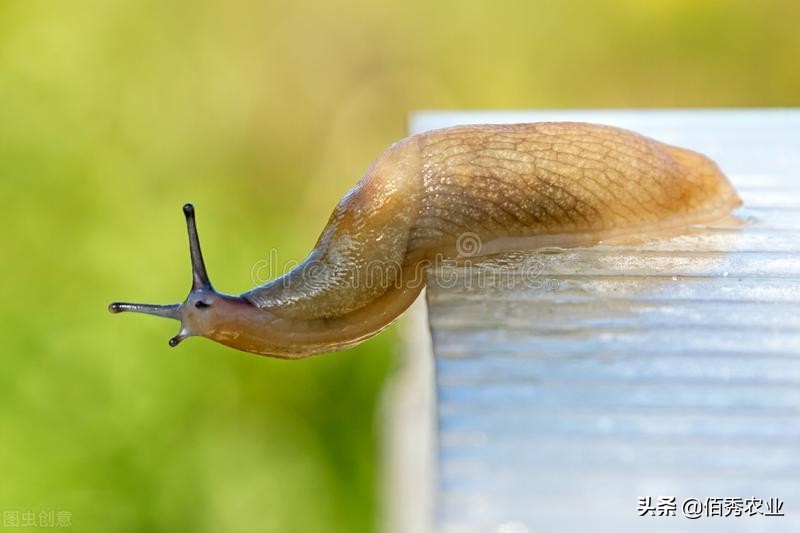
(664,367)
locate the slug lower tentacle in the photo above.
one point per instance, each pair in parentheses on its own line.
(509,187)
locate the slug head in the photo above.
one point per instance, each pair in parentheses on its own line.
(204,310)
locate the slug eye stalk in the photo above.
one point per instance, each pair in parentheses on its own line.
(201,286)
(200,279)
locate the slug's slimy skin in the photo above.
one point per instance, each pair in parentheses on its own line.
(510,187)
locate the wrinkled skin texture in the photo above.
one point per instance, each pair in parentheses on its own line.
(557,178)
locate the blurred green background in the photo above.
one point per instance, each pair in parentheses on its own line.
(114,113)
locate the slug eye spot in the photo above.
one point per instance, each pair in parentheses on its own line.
(201,304)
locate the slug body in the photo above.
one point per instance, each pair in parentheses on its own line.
(508,187)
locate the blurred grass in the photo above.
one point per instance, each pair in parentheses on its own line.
(112,114)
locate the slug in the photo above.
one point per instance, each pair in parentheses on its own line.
(517,186)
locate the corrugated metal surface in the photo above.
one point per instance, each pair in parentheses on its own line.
(664,368)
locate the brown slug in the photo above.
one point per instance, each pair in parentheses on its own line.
(519,186)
